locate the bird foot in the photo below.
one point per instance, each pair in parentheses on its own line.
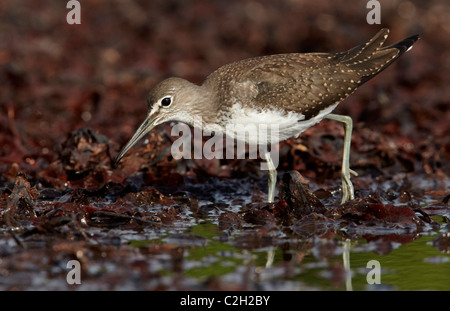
(347,186)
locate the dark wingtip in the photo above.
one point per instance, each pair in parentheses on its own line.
(405,44)
(385,56)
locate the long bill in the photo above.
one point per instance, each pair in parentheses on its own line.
(143,129)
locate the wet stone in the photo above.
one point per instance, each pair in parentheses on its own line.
(298,196)
(229,219)
(145,197)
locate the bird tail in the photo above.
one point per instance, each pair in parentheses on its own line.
(371,58)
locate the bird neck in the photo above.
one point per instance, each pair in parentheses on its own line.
(200,101)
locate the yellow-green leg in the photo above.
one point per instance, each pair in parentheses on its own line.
(347,186)
(272,178)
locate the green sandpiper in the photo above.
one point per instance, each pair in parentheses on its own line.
(294,91)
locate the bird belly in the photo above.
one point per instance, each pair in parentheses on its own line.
(270,125)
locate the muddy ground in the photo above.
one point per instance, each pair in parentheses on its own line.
(72,95)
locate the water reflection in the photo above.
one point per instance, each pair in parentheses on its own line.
(346,260)
(331,262)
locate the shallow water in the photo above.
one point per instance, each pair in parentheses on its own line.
(411,266)
(193,253)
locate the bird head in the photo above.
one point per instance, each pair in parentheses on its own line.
(173,99)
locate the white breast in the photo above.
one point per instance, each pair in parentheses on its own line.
(268,126)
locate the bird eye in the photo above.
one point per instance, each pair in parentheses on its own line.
(166,101)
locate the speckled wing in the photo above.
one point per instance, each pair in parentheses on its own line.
(309,83)
(302,83)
